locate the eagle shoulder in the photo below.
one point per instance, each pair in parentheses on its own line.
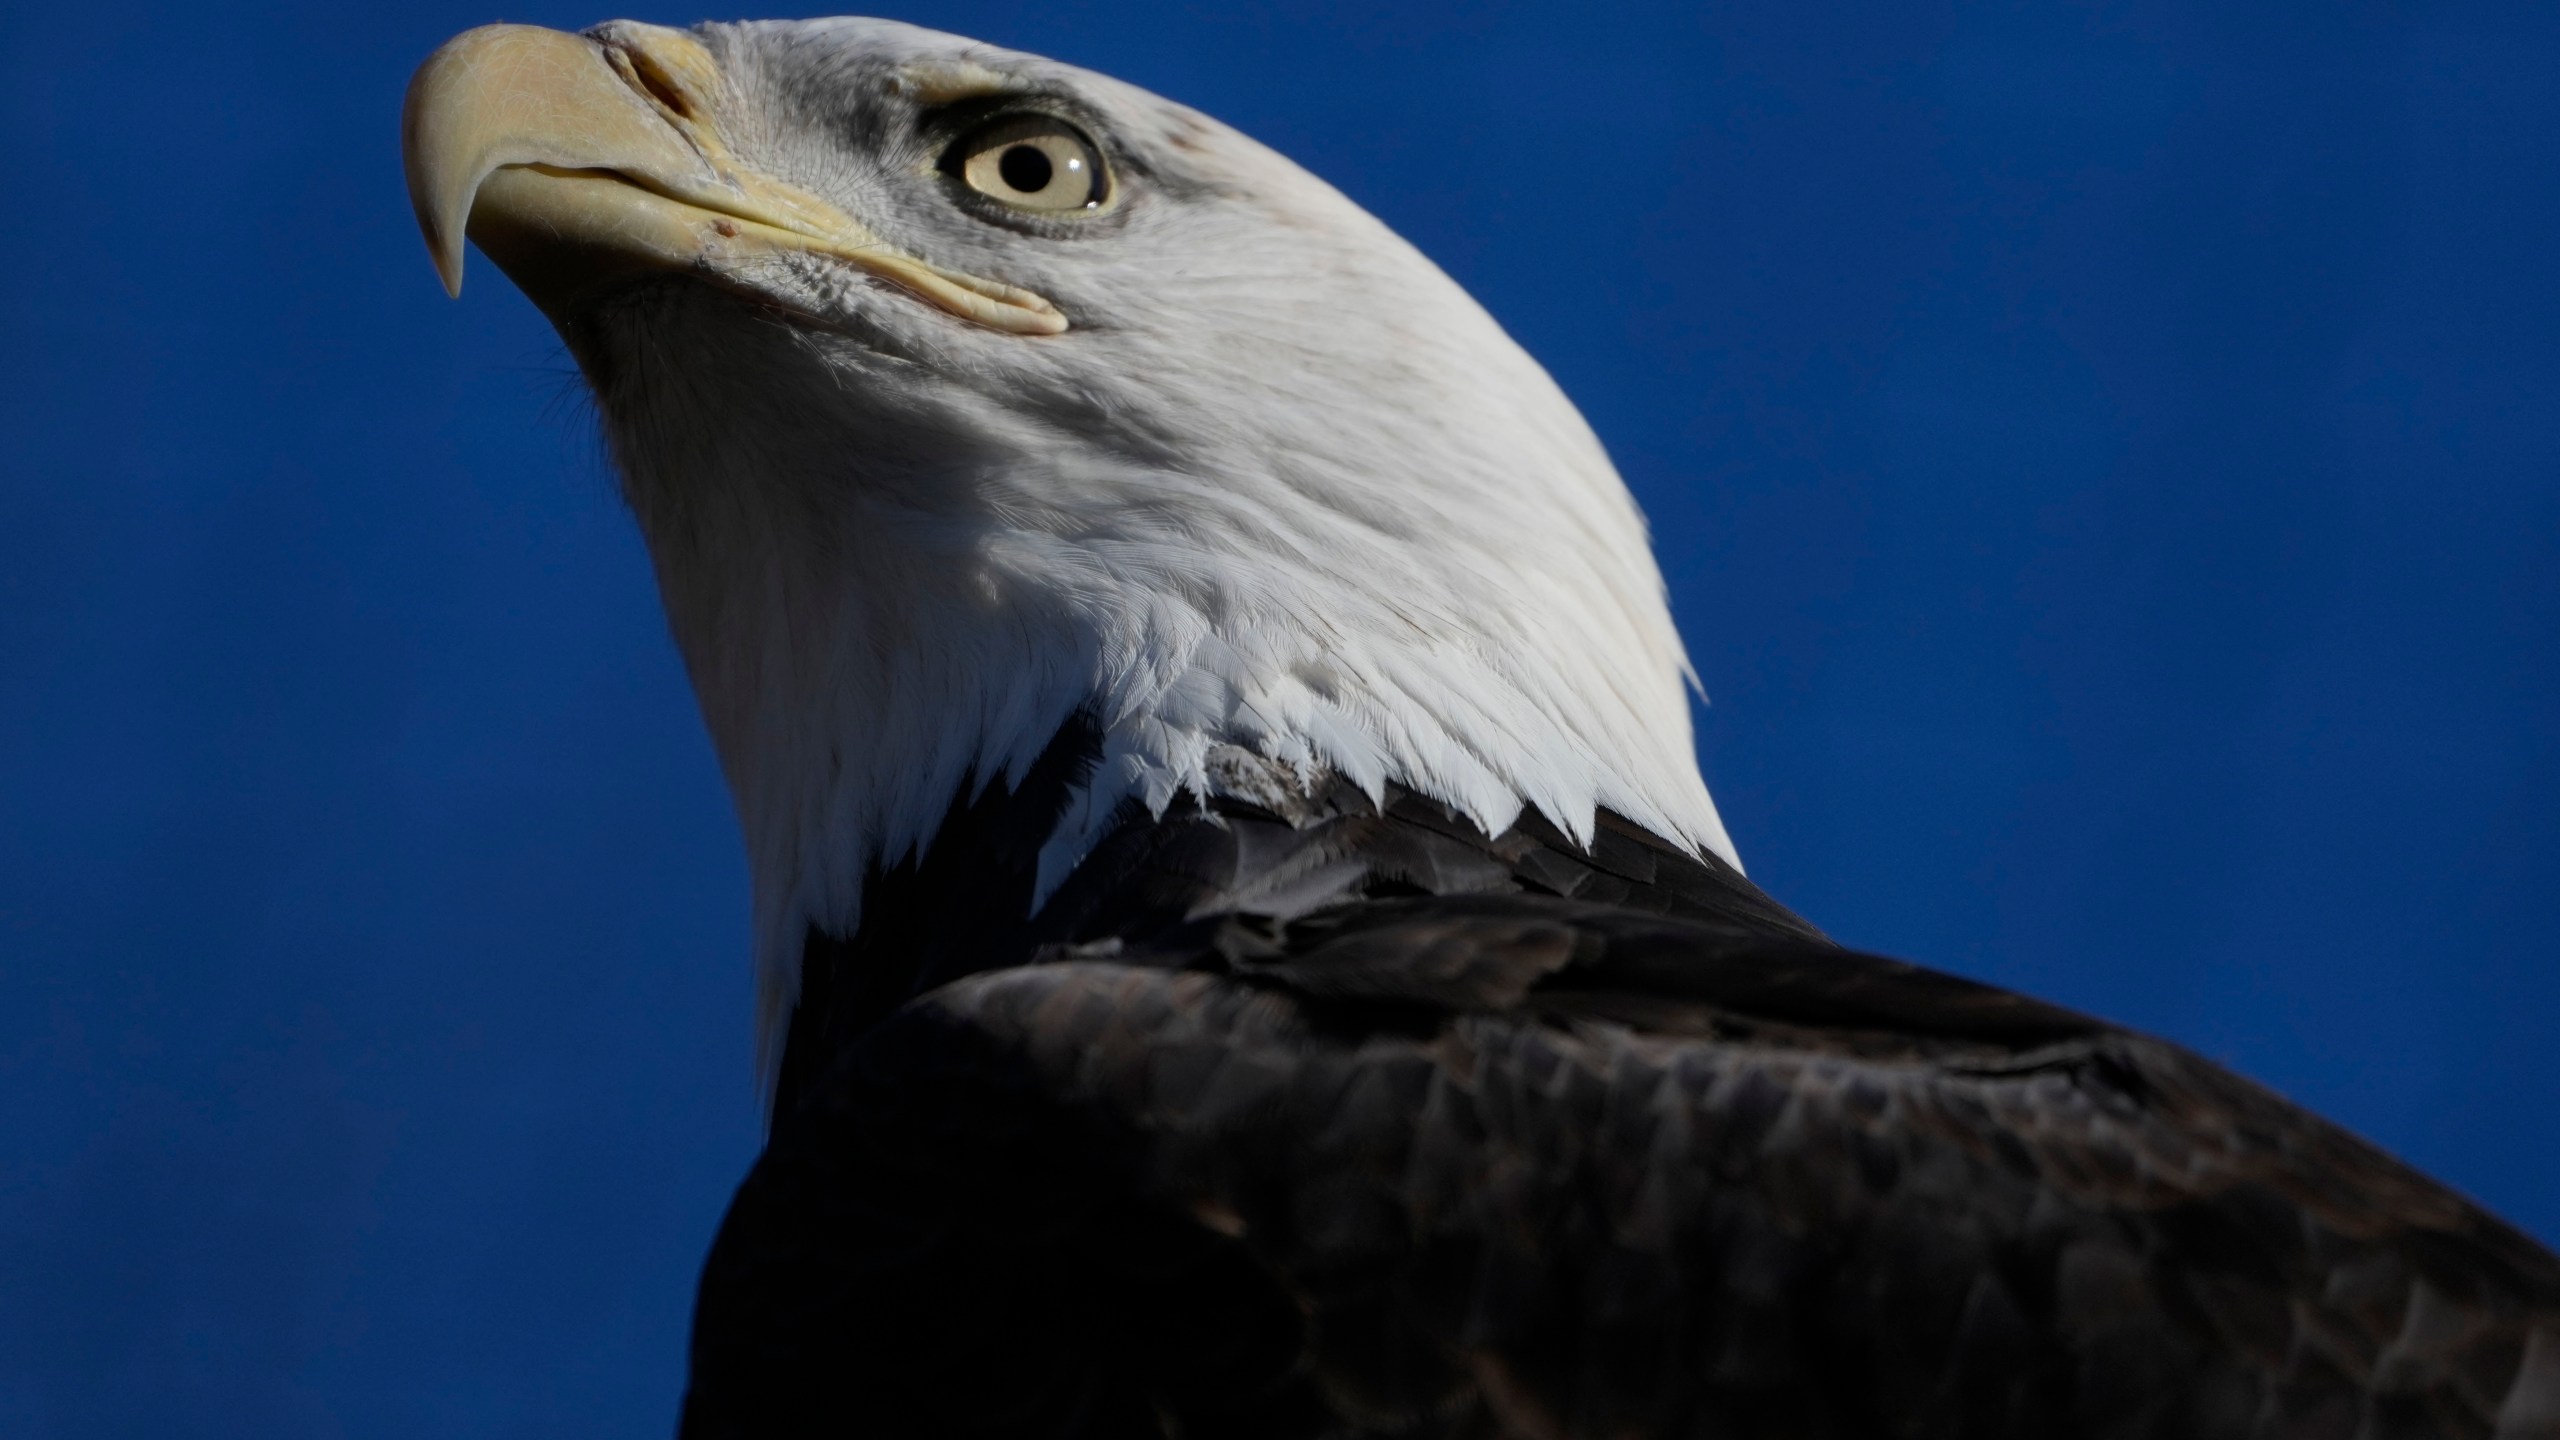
(1521,1164)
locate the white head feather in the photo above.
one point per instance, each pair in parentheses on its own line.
(1282,485)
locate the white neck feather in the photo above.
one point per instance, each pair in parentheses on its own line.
(892,579)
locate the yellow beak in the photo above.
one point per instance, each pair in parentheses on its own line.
(577,162)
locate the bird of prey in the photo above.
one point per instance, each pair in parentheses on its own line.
(1244,946)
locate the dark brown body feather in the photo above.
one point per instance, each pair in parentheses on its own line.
(1351,1123)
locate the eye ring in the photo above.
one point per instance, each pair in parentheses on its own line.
(1038,164)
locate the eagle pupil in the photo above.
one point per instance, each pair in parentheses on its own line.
(1025,169)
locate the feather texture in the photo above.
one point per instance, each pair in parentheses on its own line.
(1357,1123)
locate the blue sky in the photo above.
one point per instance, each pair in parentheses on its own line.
(2104,458)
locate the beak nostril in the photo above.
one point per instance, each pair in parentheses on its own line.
(653,81)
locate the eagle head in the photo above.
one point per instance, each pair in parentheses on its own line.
(961,393)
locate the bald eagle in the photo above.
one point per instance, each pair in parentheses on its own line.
(1243,943)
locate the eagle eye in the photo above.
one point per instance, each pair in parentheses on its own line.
(1036,163)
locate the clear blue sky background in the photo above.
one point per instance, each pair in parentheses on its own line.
(2107,459)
